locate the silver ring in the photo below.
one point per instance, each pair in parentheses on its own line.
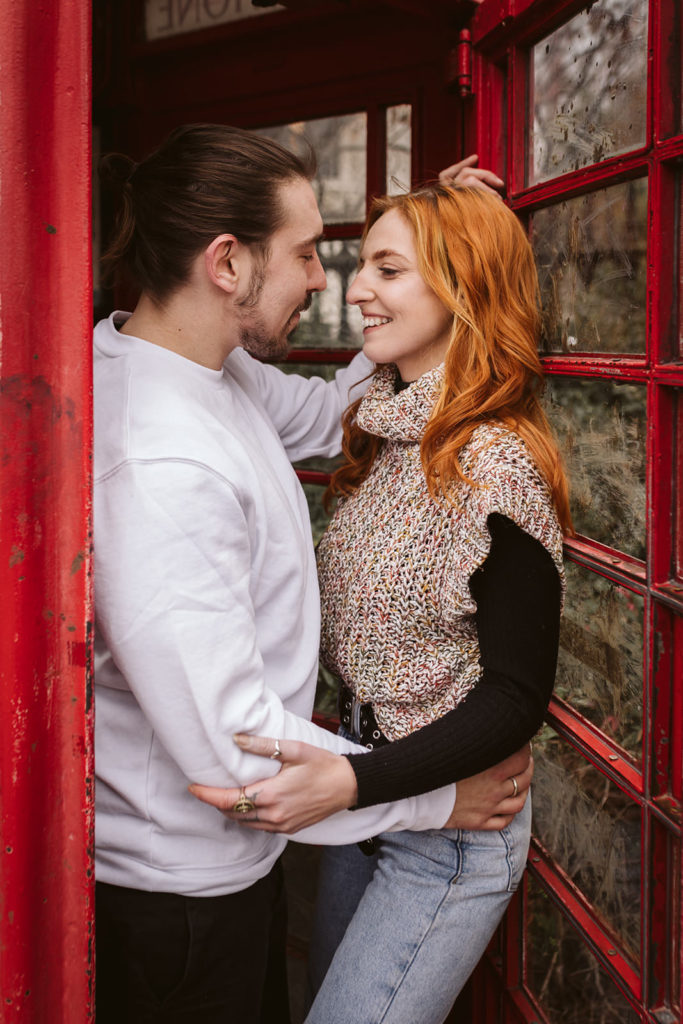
(277,752)
(515,787)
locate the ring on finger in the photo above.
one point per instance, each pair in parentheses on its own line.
(244,805)
(515,787)
(277,752)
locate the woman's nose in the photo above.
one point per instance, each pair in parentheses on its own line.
(358,291)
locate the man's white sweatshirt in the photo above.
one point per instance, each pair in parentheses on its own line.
(207,608)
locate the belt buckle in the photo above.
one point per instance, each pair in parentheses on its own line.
(355,716)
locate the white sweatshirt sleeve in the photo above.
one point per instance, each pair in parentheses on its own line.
(175,605)
(306,412)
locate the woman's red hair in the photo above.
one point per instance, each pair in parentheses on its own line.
(473,253)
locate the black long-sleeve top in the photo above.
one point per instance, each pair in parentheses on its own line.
(518,596)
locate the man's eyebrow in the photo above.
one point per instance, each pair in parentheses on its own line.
(309,242)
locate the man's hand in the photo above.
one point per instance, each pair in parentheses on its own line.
(467,173)
(489,801)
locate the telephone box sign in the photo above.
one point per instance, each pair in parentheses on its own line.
(174,17)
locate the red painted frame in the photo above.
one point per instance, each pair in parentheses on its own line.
(502,32)
(46,935)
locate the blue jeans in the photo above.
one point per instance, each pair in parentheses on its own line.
(410,923)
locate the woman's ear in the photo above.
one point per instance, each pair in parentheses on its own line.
(223,262)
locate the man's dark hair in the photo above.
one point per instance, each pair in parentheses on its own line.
(204,180)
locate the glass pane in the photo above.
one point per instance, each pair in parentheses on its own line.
(340,144)
(589,87)
(562,973)
(601,429)
(592,830)
(591,256)
(331,322)
(600,665)
(398,149)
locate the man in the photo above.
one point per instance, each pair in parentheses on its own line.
(206,592)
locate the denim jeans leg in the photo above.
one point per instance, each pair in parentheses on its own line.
(422,924)
(344,873)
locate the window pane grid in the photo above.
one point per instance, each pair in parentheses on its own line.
(634,350)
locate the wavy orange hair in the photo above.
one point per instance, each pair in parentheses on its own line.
(473,253)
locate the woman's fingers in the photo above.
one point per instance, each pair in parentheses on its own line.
(465,172)
(312,784)
(265,746)
(222,799)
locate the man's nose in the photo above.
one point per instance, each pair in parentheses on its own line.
(317,280)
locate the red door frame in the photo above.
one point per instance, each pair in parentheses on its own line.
(502,32)
(46,940)
(46,429)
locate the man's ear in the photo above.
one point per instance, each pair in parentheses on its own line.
(225,262)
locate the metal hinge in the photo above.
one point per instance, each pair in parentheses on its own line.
(459,70)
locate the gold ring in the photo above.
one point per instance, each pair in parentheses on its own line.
(515,787)
(277,752)
(244,804)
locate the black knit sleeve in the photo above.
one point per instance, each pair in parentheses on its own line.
(518,594)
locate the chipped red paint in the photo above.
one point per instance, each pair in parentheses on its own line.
(46,938)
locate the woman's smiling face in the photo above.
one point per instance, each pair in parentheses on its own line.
(403,320)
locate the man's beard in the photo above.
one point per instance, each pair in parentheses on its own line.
(255,337)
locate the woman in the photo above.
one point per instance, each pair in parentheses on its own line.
(441,581)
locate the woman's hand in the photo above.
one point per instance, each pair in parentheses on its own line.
(312,784)
(466,173)
(489,801)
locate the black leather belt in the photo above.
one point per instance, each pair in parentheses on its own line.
(359,720)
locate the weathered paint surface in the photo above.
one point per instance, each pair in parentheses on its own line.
(46,759)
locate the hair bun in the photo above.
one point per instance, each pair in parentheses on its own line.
(116,170)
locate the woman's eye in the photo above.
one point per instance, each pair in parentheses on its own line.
(388,271)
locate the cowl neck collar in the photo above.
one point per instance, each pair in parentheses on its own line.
(402,416)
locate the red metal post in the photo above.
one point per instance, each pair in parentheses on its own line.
(46,765)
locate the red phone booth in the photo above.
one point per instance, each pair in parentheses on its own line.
(578,107)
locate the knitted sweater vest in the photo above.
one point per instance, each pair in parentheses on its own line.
(394,566)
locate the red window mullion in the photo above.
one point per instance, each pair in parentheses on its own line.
(603,752)
(614,565)
(665,29)
(488,131)
(518,134)
(611,171)
(662,947)
(631,368)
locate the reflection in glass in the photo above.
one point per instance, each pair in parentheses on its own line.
(398,149)
(591,258)
(340,144)
(600,665)
(562,973)
(601,430)
(592,830)
(589,82)
(331,322)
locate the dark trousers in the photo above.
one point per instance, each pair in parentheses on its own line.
(162,958)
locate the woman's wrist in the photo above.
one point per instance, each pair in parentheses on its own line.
(348,783)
